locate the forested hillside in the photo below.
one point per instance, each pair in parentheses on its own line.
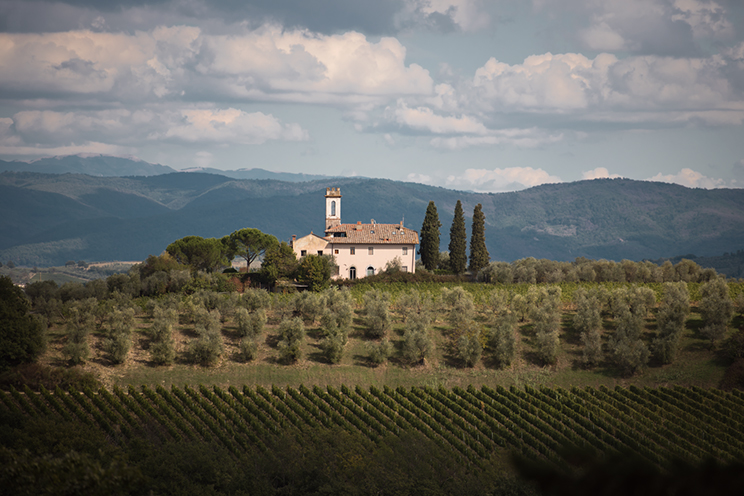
(51,218)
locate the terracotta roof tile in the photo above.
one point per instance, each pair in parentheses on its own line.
(372,234)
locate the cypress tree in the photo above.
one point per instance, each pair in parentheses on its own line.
(429,247)
(458,242)
(478,252)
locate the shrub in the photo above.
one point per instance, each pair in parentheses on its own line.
(333,348)
(248,349)
(469,346)
(459,304)
(377,313)
(163,352)
(670,321)
(21,334)
(379,353)
(254,299)
(591,353)
(119,340)
(309,306)
(503,339)
(291,336)
(206,349)
(716,308)
(417,343)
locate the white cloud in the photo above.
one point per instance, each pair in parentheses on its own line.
(268,63)
(599,173)
(86,131)
(521,138)
(231,126)
(423,118)
(689,178)
(605,88)
(507,179)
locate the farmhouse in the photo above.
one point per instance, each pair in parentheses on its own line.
(358,249)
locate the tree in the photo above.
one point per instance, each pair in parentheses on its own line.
(429,245)
(377,313)
(478,252)
(417,343)
(199,253)
(545,312)
(503,338)
(21,334)
(119,339)
(670,321)
(291,336)
(716,308)
(315,271)
(279,262)
(458,242)
(250,244)
(80,321)
(469,345)
(629,307)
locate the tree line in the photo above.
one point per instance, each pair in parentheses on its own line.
(456,260)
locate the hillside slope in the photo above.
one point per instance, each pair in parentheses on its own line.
(48,219)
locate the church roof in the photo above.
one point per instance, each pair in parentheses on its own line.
(371,234)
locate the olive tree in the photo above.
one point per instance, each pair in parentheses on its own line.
(670,320)
(716,308)
(291,336)
(546,316)
(377,313)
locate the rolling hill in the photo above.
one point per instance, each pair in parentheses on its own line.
(50,218)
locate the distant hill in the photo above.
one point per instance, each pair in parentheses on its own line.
(106,166)
(95,165)
(48,219)
(259,174)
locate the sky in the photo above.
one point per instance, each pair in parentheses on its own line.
(470,95)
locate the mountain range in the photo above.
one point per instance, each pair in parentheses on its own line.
(47,219)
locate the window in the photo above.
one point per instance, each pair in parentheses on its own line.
(404,268)
(303,253)
(320,252)
(370,271)
(370,251)
(352,273)
(335,252)
(405,250)
(352,251)
(333,208)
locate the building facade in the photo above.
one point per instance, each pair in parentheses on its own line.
(359,249)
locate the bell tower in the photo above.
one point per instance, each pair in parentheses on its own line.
(333,207)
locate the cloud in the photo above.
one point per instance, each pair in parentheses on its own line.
(424,119)
(599,173)
(507,179)
(48,132)
(640,89)
(650,27)
(329,16)
(489,181)
(183,62)
(445,15)
(521,138)
(689,178)
(231,126)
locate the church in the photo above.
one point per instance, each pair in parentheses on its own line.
(359,250)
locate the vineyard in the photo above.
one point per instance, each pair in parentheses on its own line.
(657,425)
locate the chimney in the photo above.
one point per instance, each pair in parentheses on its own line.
(294,238)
